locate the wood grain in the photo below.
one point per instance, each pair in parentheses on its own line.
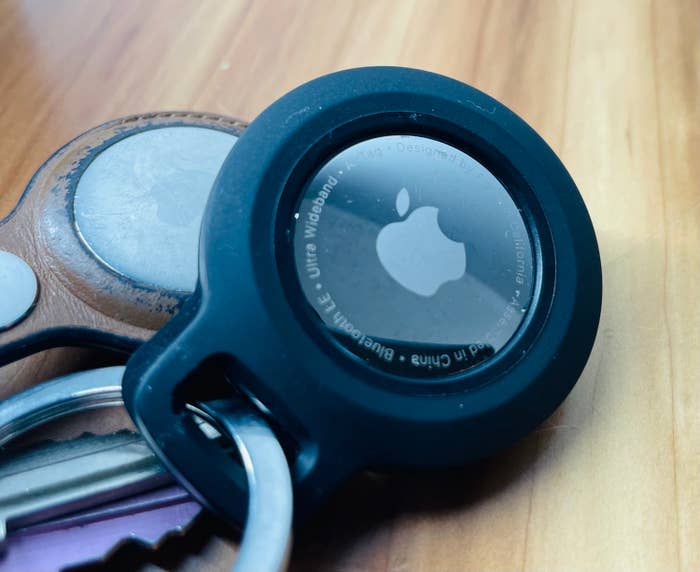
(612,481)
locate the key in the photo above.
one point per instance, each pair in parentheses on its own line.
(58,478)
(92,535)
(37,486)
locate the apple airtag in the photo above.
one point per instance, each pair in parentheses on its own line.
(403,275)
(138,206)
(413,255)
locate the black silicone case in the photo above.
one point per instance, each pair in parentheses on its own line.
(336,414)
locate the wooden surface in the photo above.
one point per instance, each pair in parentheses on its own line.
(612,481)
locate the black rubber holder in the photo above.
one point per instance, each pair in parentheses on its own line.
(336,414)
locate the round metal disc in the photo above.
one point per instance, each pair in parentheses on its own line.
(18,287)
(138,206)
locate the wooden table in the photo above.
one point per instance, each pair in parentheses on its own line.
(612,480)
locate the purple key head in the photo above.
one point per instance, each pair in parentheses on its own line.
(92,535)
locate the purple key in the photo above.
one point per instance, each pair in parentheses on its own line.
(92,535)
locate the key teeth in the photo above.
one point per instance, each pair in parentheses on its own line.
(153,544)
(11,451)
(94,542)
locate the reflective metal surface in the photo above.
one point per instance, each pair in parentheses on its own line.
(18,289)
(138,206)
(267,535)
(57,398)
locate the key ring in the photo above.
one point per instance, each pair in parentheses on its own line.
(267,533)
(58,398)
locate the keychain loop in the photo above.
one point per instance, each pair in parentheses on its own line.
(58,398)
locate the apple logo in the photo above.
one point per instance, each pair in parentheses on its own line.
(416,253)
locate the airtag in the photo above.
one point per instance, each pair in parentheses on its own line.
(416,284)
(19,289)
(138,206)
(413,255)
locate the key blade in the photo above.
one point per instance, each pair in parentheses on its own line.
(92,535)
(58,478)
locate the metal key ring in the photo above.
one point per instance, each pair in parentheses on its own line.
(267,533)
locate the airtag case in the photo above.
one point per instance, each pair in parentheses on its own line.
(102,247)
(406,276)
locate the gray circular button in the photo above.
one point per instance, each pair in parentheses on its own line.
(18,289)
(139,204)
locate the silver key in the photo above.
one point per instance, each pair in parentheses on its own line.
(270,498)
(58,478)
